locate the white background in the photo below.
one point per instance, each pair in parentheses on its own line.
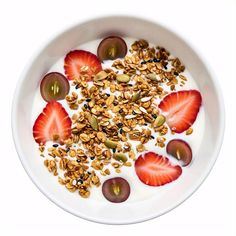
(209,25)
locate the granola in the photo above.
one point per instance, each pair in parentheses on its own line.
(113,109)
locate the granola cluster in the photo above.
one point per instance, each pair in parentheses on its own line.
(118,106)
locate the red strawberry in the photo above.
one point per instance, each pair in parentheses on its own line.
(156,170)
(76,61)
(181,109)
(52,124)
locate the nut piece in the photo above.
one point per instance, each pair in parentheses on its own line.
(84,193)
(140,148)
(120,157)
(123,78)
(84,138)
(189,131)
(72,153)
(110,144)
(101,136)
(159,121)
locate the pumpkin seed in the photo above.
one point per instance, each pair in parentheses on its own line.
(110,100)
(136,96)
(152,77)
(101,75)
(93,122)
(123,78)
(120,157)
(159,121)
(110,144)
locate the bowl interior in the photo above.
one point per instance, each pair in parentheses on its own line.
(100,211)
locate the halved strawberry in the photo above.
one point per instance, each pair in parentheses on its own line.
(79,62)
(155,170)
(52,124)
(181,109)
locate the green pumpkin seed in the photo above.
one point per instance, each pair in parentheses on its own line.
(120,157)
(93,122)
(100,75)
(110,144)
(152,77)
(159,121)
(123,78)
(136,96)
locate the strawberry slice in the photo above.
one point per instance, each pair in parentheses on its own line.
(181,109)
(52,124)
(79,62)
(155,170)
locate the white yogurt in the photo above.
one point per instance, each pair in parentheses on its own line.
(139,191)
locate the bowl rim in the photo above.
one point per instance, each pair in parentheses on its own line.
(54,37)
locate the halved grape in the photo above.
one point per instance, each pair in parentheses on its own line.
(180,150)
(111,48)
(54,86)
(116,190)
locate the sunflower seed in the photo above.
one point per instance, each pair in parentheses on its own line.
(146,99)
(130,117)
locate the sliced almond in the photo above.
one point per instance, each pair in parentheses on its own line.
(146,99)
(137,111)
(143,110)
(130,117)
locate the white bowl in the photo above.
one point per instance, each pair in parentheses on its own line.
(105,212)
